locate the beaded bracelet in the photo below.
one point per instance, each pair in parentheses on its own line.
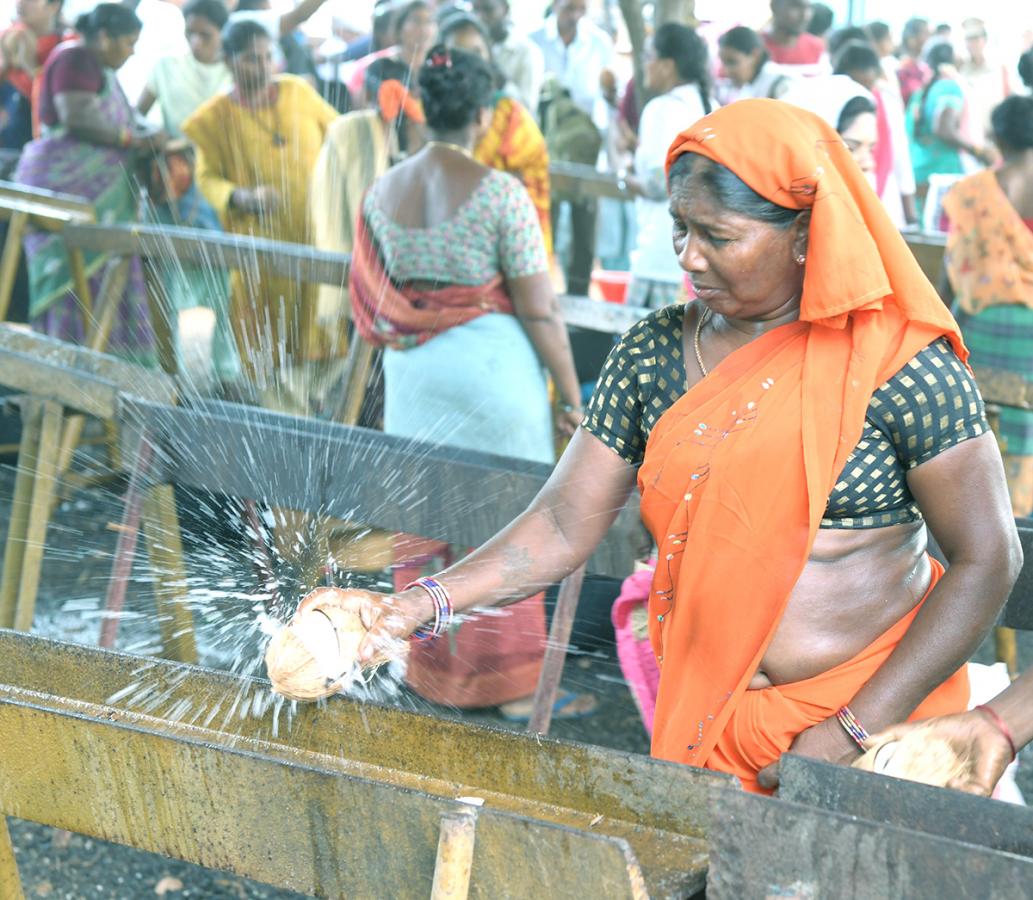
(1002,727)
(852,727)
(443,609)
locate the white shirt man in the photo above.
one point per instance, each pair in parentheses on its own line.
(578,65)
(523,64)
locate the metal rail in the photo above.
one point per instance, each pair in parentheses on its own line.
(345,799)
(295,261)
(355,474)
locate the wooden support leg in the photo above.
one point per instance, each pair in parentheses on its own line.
(14,549)
(1006,650)
(355,381)
(97,333)
(10,258)
(80,281)
(165,552)
(43,490)
(455,855)
(164,322)
(125,548)
(10,882)
(556,652)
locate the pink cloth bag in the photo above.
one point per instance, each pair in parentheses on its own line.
(631,623)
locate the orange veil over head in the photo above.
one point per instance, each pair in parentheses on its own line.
(738,472)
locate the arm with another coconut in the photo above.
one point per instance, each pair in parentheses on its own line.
(337,633)
(967,751)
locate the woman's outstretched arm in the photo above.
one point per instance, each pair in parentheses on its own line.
(555,535)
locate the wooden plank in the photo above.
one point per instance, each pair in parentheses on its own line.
(12,190)
(918,807)
(12,255)
(10,882)
(43,489)
(574,180)
(18,521)
(597,315)
(44,380)
(74,359)
(762,847)
(216,250)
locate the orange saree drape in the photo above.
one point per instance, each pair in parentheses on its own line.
(738,472)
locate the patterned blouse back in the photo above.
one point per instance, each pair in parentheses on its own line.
(495,230)
(930,405)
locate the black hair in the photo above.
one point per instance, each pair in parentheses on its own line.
(1012,122)
(239,35)
(459,20)
(113,19)
(856,57)
(744,40)
(1026,68)
(878,32)
(913,27)
(408,10)
(732,192)
(387,68)
(213,10)
(454,87)
(842,36)
(688,51)
(821,19)
(856,106)
(252,5)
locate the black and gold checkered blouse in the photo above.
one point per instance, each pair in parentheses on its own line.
(928,406)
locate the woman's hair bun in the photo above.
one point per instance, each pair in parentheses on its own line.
(454,87)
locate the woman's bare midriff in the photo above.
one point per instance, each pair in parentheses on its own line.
(856,584)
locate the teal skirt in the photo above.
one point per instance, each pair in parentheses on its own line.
(1001,337)
(479,386)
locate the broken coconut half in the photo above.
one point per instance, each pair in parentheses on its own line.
(315,655)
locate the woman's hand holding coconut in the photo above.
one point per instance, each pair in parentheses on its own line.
(336,633)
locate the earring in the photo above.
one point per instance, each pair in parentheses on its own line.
(801,259)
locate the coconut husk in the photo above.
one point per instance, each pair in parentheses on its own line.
(315,655)
(919,756)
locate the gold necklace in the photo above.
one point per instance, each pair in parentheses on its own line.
(703,317)
(448,146)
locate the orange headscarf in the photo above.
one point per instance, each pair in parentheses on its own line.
(394,99)
(738,472)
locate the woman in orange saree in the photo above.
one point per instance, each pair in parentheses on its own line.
(793,433)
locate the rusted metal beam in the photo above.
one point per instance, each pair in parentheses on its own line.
(322,467)
(765,847)
(342,799)
(918,807)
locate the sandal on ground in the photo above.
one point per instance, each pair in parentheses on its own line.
(568,705)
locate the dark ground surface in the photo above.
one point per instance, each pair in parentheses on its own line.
(62,865)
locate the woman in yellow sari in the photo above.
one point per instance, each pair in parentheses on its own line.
(257,146)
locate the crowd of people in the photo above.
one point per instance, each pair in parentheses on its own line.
(422,149)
